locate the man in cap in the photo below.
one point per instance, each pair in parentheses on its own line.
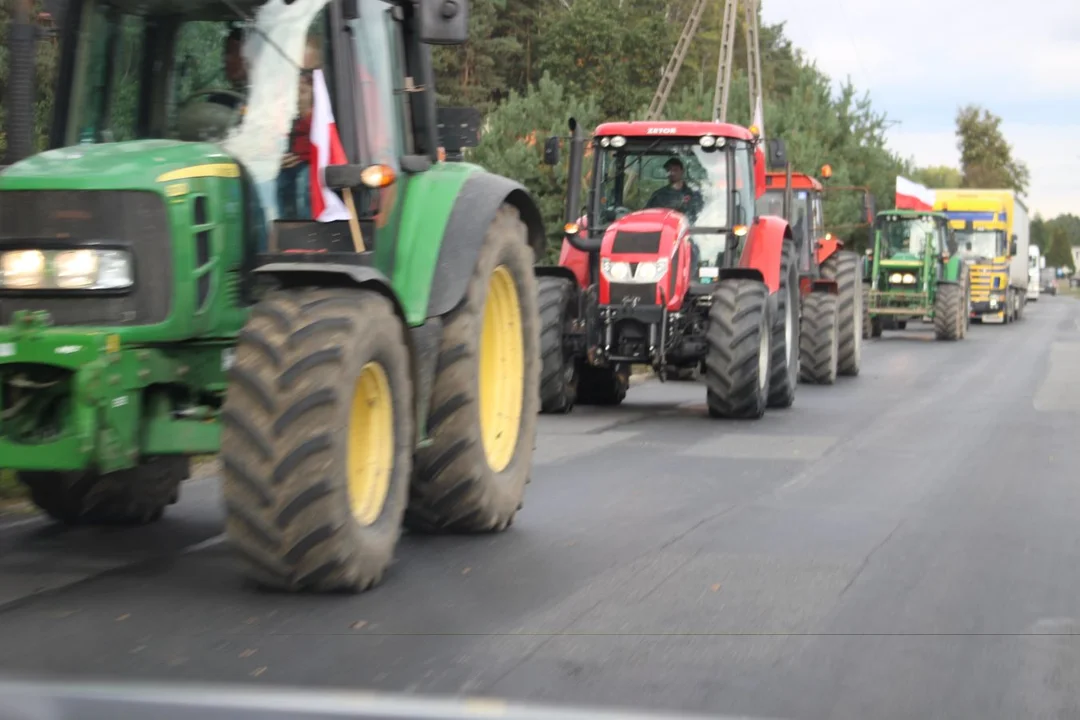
(677,195)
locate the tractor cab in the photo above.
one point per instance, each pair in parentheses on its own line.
(667,201)
(806,216)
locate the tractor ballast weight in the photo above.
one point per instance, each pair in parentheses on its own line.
(642,282)
(357,372)
(915,273)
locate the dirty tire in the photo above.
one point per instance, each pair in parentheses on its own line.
(454,488)
(965,303)
(127,497)
(949,311)
(286,437)
(867,321)
(739,338)
(558,370)
(820,347)
(605,386)
(784,361)
(846,268)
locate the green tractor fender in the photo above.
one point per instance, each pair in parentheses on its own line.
(951,269)
(481,196)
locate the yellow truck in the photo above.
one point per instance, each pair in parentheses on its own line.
(992,232)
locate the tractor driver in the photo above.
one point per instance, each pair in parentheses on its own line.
(677,195)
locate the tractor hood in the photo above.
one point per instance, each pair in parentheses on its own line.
(644,235)
(901,259)
(140,164)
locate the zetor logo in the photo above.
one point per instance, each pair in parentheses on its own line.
(660,131)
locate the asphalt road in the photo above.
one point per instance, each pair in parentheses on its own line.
(904,544)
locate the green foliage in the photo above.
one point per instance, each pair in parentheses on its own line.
(985,156)
(513,144)
(1060,252)
(45,76)
(939,177)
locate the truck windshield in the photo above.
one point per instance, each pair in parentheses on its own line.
(908,235)
(980,244)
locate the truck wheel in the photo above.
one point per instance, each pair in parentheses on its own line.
(558,370)
(948,309)
(820,341)
(127,497)
(846,269)
(317,439)
(486,395)
(602,385)
(784,362)
(737,360)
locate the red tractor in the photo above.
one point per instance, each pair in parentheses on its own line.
(830,278)
(670,266)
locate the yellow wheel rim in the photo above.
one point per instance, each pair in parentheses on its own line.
(370,444)
(502,370)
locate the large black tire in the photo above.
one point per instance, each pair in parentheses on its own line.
(456,489)
(784,359)
(846,268)
(737,360)
(294,503)
(604,386)
(965,303)
(949,311)
(558,370)
(867,321)
(126,497)
(820,347)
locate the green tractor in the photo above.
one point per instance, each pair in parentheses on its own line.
(915,274)
(190,270)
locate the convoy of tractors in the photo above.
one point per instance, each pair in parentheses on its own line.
(384,369)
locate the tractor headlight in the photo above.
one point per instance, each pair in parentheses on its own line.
(909,279)
(646,272)
(82,269)
(902,279)
(21,269)
(615,271)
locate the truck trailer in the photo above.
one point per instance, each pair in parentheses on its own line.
(992,233)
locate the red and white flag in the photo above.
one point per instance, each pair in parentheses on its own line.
(911,195)
(326,206)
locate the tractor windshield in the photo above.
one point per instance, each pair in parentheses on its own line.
(909,235)
(772,203)
(246,83)
(678,174)
(980,244)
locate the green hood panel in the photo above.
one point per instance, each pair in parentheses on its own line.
(112,166)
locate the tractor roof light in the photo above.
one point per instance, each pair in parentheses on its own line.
(618,141)
(707,141)
(826,171)
(755,131)
(604,142)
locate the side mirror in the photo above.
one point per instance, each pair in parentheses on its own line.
(777,158)
(443,22)
(551,151)
(968,246)
(1012,246)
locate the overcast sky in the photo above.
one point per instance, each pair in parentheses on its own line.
(922,59)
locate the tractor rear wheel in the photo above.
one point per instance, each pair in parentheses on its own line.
(820,348)
(784,362)
(846,269)
(867,321)
(737,360)
(949,311)
(127,497)
(602,385)
(558,370)
(317,439)
(486,396)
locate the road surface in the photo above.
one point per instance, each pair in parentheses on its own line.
(905,545)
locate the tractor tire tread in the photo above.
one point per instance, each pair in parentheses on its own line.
(557,391)
(738,317)
(820,341)
(846,268)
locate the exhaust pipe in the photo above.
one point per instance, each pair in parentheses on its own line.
(22,39)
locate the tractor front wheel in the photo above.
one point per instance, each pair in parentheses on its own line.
(486,398)
(317,439)
(820,348)
(558,371)
(784,363)
(846,268)
(127,497)
(949,311)
(737,361)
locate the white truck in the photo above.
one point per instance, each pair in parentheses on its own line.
(1036,262)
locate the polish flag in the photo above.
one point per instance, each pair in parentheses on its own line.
(326,206)
(911,195)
